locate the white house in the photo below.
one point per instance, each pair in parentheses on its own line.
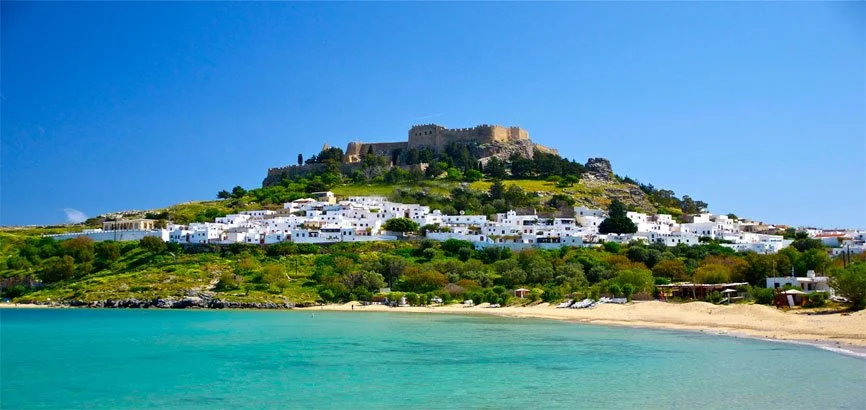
(810,283)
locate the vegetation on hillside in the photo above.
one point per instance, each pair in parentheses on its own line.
(40,269)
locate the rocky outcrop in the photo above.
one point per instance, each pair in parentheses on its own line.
(202,300)
(504,150)
(598,168)
(598,176)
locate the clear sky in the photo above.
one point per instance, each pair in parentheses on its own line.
(757,108)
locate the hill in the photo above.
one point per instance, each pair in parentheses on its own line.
(153,273)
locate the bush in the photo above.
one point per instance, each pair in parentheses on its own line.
(401,225)
(14,291)
(152,244)
(612,247)
(714,297)
(850,282)
(227,281)
(627,291)
(763,296)
(816,299)
(551,294)
(326,295)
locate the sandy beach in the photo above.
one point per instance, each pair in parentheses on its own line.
(831,331)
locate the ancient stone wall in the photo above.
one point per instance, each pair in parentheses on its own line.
(356,150)
(437,136)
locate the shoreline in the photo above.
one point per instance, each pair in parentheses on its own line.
(838,333)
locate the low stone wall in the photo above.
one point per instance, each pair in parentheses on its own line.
(120,236)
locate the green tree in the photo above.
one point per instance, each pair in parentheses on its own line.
(850,282)
(81,249)
(521,167)
(712,273)
(812,259)
(640,279)
(495,168)
(369,280)
(401,225)
(760,267)
(674,269)
(238,192)
(571,274)
(224,194)
(496,190)
(597,273)
(628,291)
(515,196)
(393,267)
(107,253)
(300,159)
(152,244)
(612,247)
(227,281)
(636,254)
(617,222)
(472,175)
(454,174)
(275,275)
(57,269)
(804,244)
(424,280)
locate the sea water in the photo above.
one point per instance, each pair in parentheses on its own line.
(74,358)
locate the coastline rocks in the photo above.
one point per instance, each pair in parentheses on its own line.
(188,302)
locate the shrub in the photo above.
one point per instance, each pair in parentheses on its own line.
(551,294)
(763,296)
(14,291)
(627,291)
(850,282)
(612,247)
(816,299)
(227,281)
(714,297)
(152,244)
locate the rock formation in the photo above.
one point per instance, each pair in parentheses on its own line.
(598,168)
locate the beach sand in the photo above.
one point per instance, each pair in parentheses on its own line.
(842,332)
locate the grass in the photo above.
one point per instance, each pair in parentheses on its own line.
(435,187)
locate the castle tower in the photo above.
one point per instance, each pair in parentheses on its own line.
(430,135)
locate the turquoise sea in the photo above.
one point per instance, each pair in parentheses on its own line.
(74,358)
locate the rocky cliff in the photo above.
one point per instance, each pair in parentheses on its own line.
(599,178)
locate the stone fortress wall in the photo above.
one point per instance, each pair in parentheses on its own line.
(437,136)
(356,150)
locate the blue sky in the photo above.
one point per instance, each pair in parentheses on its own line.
(757,108)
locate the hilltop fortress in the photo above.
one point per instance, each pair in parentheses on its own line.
(485,141)
(437,137)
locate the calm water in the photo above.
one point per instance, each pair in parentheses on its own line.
(221,359)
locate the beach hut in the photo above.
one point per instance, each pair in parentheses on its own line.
(794,297)
(729,294)
(521,293)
